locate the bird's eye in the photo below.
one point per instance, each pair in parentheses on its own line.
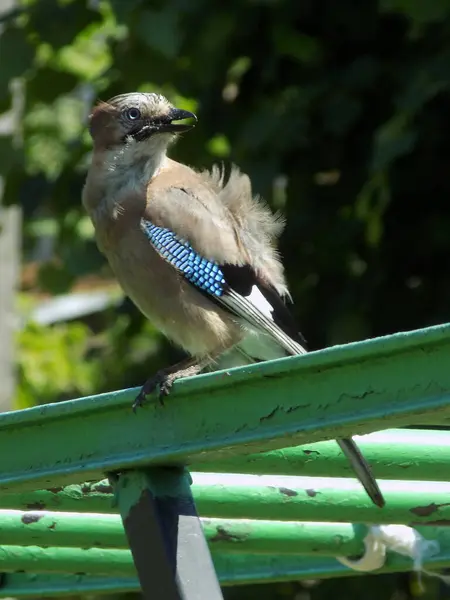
(133,114)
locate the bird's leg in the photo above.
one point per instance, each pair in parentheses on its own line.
(165,378)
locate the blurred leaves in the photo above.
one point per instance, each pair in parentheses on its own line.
(417,10)
(52,363)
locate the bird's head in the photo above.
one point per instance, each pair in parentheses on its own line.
(148,120)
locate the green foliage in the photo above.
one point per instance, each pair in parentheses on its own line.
(53,363)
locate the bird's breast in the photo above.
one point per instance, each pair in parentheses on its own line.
(184,315)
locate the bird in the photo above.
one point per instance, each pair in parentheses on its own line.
(195,251)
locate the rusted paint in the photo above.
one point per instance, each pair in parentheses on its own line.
(311,493)
(308,452)
(288,492)
(29,518)
(426,511)
(53,525)
(55,490)
(223,535)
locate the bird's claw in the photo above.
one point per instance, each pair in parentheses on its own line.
(139,400)
(162,380)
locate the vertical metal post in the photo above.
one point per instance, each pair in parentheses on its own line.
(165,535)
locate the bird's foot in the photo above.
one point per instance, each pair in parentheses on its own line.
(163,380)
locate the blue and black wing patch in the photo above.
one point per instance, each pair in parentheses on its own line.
(235,288)
(204,274)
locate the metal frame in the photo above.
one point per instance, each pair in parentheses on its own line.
(165,535)
(394,381)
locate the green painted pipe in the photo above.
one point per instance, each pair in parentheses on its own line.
(270,497)
(403,454)
(269,537)
(95,561)
(232,569)
(106,531)
(319,499)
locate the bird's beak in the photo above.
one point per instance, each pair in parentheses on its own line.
(166,125)
(177,114)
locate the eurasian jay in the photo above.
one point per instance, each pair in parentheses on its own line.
(195,253)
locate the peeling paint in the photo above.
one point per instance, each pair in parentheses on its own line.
(426,511)
(368,392)
(292,409)
(29,518)
(223,535)
(287,492)
(270,415)
(55,490)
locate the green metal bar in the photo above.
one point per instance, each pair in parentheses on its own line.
(18,528)
(55,529)
(269,537)
(232,569)
(95,561)
(94,497)
(358,388)
(402,454)
(319,499)
(284,498)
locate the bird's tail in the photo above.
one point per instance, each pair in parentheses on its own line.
(354,455)
(357,461)
(362,470)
